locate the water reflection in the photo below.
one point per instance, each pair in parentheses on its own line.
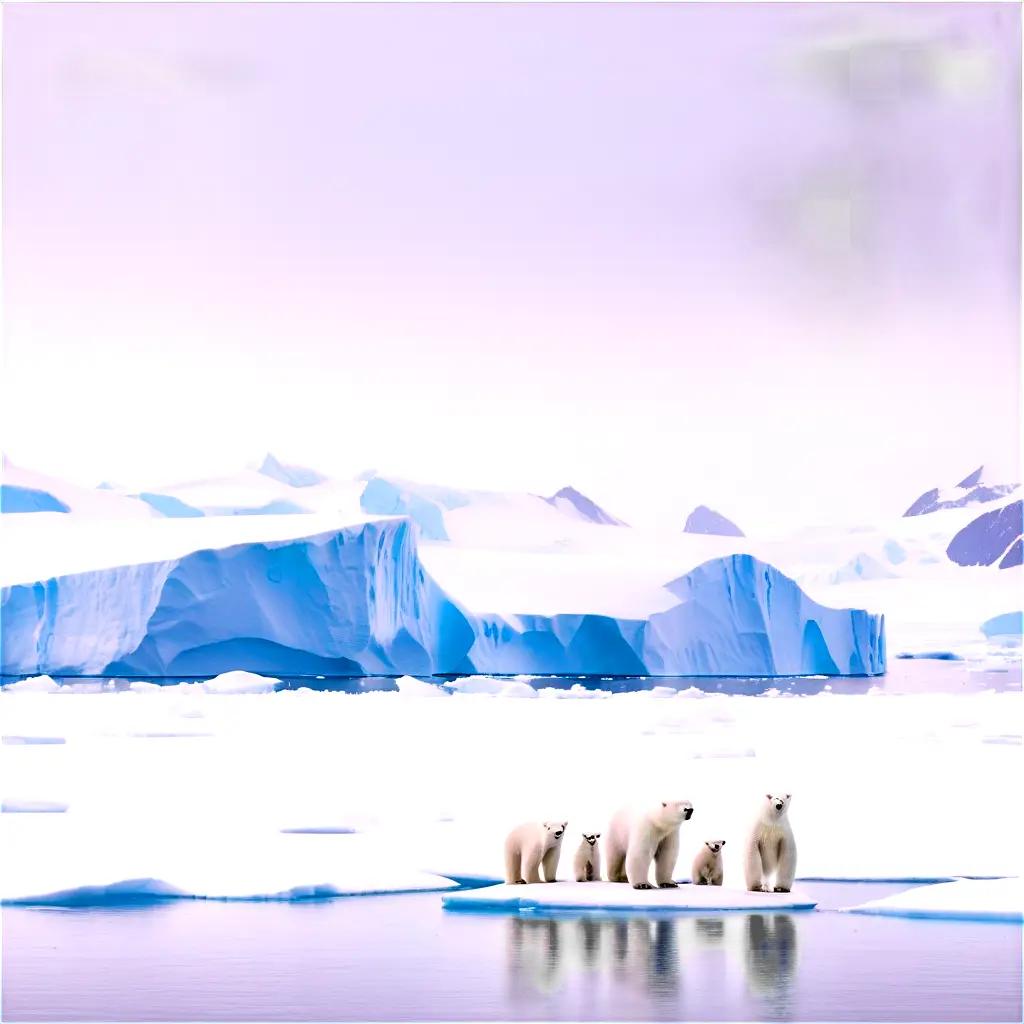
(653,955)
(771,957)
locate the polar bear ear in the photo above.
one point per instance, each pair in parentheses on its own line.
(664,803)
(768,795)
(789,796)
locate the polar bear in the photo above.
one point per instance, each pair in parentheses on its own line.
(635,838)
(586,865)
(530,845)
(771,849)
(707,865)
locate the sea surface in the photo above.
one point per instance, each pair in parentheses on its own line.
(404,958)
(904,675)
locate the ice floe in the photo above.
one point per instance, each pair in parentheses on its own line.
(996,899)
(598,896)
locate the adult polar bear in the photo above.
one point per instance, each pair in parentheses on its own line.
(771,848)
(530,846)
(635,838)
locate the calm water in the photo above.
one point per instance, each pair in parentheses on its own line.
(404,958)
(904,675)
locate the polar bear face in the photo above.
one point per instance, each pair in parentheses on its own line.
(715,845)
(591,837)
(554,830)
(775,806)
(672,813)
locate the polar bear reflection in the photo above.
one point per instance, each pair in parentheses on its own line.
(771,955)
(652,955)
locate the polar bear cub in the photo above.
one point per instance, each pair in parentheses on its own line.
(771,849)
(707,865)
(637,838)
(586,865)
(530,845)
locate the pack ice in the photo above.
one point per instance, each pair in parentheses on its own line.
(307,594)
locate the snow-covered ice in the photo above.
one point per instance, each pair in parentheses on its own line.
(595,896)
(205,813)
(34,684)
(998,899)
(240,682)
(94,861)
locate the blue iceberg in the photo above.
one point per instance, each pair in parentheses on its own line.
(357,600)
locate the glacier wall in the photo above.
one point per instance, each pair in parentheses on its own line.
(357,600)
(347,602)
(736,616)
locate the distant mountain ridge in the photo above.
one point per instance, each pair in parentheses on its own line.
(994,537)
(586,507)
(707,521)
(976,488)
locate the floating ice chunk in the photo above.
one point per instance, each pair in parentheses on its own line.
(320,830)
(240,682)
(576,691)
(491,687)
(996,899)
(33,741)
(1009,624)
(143,687)
(408,686)
(37,684)
(32,807)
(619,896)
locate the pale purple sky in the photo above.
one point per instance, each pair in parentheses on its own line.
(761,257)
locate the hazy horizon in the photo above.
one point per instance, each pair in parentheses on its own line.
(763,258)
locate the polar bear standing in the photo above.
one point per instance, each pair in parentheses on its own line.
(707,865)
(771,848)
(586,865)
(530,845)
(637,838)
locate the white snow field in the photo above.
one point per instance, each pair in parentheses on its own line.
(247,795)
(612,896)
(996,899)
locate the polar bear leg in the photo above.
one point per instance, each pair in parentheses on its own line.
(665,858)
(550,862)
(531,864)
(754,868)
(513,865)
(787,866)
(638,861)
(717,875)
(616,861)
(596,864)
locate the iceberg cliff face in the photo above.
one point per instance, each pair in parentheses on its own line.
(348,602)
(358,600)
(735,616)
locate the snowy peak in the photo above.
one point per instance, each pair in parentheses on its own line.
(293,476)
(994,537)
(975,489)
(568,499)
(706,520)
